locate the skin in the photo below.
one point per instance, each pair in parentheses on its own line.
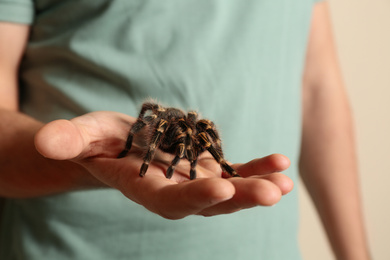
(84,150)
(328,162)
(80,154)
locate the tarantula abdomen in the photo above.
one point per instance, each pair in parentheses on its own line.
(183,135)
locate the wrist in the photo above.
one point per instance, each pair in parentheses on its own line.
(25,172)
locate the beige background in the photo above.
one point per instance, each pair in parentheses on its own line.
(362,32)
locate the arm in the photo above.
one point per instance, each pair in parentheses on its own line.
(23,171)
(328,162)
(81,153)
(12,43)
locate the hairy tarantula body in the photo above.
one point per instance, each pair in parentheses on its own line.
(177,133)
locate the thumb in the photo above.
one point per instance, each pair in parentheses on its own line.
(61,140)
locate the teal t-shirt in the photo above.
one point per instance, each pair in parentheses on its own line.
(238,63)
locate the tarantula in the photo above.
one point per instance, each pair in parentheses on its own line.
(174,132)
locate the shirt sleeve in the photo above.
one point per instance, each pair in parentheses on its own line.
(17,11)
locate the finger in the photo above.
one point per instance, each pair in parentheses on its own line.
(60,140)
(155,192)
(250,192)
(284,183)
(175,201)
(266,165)
(89,135)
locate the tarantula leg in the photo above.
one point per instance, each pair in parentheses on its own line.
(193,169)
(148,106)
(192,116)
(217,156)
(161,128)
(188,140)
(226,167)
(179,155)
(172,167)
(189,148)
(134,129)
(209,127)
(137,126)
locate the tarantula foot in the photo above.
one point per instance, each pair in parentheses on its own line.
(143,170)
(122,154)
(234,174)
(227,174)
(169,172)
(229,170)
(192,174)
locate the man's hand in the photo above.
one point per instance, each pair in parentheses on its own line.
(94,141)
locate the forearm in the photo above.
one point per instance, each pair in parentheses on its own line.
(24,172)
(328,162)
(329,171)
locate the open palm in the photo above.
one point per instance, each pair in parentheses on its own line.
(94,141)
